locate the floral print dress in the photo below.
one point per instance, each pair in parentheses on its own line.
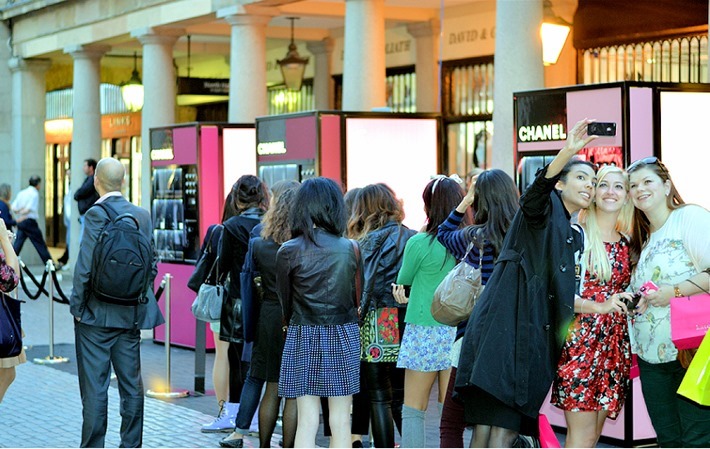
(593,371)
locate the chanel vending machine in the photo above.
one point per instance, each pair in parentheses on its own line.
(354,149)
(650,119)
(193,167)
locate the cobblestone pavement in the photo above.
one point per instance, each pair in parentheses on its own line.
(42,408)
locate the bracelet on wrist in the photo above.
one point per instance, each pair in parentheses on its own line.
(677,292)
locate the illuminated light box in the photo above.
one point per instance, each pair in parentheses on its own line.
(401,153)
(684,149)
(238,155)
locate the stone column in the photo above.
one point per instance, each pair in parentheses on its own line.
(247,62)
(27,152)
(86,131)
(159,85)
(322,81)
(7,171)
(428,85)
(364,65)
(518,66)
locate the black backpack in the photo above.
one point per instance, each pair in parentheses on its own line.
(121,264)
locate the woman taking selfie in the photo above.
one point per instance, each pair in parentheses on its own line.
(592,378)
(672,244)
(516,331)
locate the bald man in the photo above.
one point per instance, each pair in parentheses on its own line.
(109,334)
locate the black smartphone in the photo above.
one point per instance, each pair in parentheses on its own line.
(601,129)
(407,290)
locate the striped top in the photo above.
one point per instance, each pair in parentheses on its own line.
(456,241)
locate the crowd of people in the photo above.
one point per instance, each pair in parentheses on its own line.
(346,327)
(342,294)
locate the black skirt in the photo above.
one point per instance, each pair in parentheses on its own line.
(485,409)
(268,343)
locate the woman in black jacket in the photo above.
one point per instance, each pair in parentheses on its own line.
(515,334)
(376,222)
(250,199)
(315,278)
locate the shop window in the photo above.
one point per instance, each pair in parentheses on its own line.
(467,108)
(284,101)
(677,60)
(401,89)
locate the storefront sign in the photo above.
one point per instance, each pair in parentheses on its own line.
(203,86)
(540,117)
(267,148)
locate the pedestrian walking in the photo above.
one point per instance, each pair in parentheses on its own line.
(86,195)
(26,207)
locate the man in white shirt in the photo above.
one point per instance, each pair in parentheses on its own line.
(25,206)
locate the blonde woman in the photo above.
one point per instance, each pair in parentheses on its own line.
(592,378)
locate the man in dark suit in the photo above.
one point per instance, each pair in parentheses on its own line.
(109,334)
(86,195)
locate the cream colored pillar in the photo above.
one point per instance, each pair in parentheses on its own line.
(247,62)
(364,65)
(426,66)
(86,132)
(518,66)
(28,144)
(159,92)
(322,81)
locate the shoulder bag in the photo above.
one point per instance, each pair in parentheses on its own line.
(207,306)
(10,333)
(457,293)
(203,268)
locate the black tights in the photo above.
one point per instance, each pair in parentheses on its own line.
(237,371)
(385,385)
(492,436)
(269,413)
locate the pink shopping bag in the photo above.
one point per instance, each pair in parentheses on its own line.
(547,435)
(690,320)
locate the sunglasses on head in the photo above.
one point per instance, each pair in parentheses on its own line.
(652,160)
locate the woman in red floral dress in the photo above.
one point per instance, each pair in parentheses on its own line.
(593,372)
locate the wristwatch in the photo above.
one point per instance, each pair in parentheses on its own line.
(677,292)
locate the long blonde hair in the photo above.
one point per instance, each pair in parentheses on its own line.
(595,252)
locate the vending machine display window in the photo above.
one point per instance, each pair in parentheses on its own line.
(175,213)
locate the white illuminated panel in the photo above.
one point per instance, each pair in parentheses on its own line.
(239,155)
(401,153)
(684,144)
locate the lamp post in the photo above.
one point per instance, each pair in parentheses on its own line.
(132,90)
(293,66)
(553,31)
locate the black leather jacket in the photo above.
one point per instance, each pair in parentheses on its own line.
(382,252)
(316,282)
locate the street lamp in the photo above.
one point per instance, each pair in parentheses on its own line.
(293,66)
(132,90)
(554,32)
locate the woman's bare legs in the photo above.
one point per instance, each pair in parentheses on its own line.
(339,407)
(7,376)
(308,421)
(583,428)
(220,369)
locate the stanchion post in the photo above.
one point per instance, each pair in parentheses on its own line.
(51,358)
(168,393)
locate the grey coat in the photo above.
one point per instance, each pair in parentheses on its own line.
(90,310)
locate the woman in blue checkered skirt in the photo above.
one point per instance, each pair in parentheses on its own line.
(315,274)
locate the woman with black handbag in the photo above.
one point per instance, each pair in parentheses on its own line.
(11,351)
(220,369)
